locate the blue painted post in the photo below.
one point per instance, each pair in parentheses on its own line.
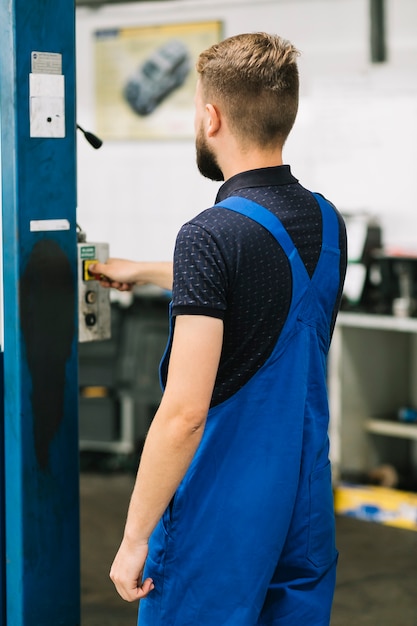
(2,509)
(38,163)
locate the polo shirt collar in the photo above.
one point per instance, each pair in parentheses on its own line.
(262,177)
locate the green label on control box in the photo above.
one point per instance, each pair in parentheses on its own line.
(88,252)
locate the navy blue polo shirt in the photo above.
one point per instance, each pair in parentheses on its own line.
(229,267)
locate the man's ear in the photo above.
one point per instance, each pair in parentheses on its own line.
(214,120)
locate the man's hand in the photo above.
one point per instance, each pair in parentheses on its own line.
(123,275)
(127,570)
(120,274)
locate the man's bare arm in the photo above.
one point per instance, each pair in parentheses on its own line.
(172,441)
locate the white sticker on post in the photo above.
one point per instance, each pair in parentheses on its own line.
(49,225)
(46,62)
(47,105)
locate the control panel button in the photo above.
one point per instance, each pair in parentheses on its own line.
(90,319)
(86,273)
(91,297)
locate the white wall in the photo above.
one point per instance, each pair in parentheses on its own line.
(355,139)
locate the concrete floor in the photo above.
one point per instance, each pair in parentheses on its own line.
(376,576)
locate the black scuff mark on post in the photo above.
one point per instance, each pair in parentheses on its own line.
(47,299)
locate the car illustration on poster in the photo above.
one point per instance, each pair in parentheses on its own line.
(161,73)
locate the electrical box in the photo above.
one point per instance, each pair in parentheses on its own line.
(94,311)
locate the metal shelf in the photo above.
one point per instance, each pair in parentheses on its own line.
(377,322)
(391,429)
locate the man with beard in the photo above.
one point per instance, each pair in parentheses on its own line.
(231,518)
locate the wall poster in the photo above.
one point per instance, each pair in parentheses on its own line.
(145,79)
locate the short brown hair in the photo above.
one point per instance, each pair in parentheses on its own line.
(255,77)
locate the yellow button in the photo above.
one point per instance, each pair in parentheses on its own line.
(86,273)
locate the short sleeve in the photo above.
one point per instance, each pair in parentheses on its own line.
(200,274)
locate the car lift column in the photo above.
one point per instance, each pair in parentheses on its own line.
(37,121)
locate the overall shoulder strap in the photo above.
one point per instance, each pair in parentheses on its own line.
(330,222)
(271,223)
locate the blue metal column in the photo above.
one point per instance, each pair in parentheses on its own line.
(41,521)
(2,509)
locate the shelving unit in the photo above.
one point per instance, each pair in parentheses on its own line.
(372,373)
(119,377)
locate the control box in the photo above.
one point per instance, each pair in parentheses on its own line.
(94,310)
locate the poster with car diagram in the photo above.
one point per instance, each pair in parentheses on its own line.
(145,79)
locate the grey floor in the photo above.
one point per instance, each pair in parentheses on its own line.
(377,574)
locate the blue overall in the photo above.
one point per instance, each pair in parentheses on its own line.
(249,536)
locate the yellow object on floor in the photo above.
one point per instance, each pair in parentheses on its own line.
(377,504)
